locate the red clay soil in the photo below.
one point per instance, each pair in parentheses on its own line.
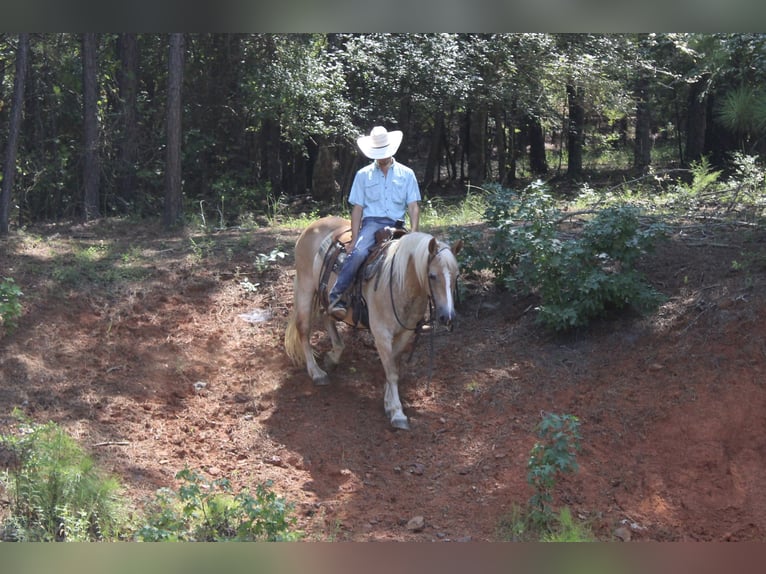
(154,372)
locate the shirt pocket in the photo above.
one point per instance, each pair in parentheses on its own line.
(373,192)
(399,190)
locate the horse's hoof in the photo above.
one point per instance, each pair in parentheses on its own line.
(329,364)
(322,381)
(402,424)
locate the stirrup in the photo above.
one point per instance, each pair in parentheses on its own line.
(338,309)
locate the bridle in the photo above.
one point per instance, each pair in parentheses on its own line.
(423,322)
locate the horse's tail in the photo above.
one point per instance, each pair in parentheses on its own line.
(293,343)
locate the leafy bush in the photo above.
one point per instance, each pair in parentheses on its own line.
(748,182)
(56,491)
(10,304)
(209,512)
(577,278)
(548,460)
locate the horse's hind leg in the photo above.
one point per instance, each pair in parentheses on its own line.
(304,310)
(332,358)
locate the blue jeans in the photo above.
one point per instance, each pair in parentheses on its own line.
(364,243)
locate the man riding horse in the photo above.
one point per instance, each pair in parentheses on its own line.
(380,194)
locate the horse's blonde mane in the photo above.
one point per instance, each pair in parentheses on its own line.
(415,245)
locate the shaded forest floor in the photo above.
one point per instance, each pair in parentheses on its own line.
(157,351)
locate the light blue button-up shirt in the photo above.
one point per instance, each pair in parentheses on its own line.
(384,196)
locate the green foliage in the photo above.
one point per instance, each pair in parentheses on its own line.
(208,511)
(561,526)
(741,192)
(704,176)
(10,304)
(564,528)
(436,211)
(685,198)
(57,493)
(577,278)
(201,248)
(257,106)
(550,458)
(276,207)
(554,456)
(96,264)
(743,111)
(264,260)
(748,181)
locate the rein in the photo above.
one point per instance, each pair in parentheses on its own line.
(423,322)
(419,327)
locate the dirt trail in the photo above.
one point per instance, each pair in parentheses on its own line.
(671,406)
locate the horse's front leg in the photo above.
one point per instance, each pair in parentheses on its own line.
(386,346)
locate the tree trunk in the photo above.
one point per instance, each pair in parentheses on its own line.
(477,154)
(271,161)
(538,163)
(323,184)
(696,120)
(128,86)
(173,205)
(92,172)
(431,174)
(14,127)
(642,153)
(501,143)
(405,110)
(576,130)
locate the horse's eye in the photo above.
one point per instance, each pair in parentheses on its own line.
(432,276)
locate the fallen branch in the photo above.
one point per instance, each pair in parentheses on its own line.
(113,443)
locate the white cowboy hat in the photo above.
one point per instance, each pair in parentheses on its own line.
(380,143)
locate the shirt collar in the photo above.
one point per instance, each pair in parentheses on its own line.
(375,163)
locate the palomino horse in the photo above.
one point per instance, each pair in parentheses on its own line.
(415,272)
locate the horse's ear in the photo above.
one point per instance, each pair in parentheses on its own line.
(457,246)
(432,246)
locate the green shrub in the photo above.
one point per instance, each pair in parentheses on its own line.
(554,456)
(56,491)
(209,512)
(577,277)
(10,304)
(566,529)
(550,458)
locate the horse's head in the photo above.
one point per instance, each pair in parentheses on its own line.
(442,278)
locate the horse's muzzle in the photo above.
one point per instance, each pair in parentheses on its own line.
(446,317)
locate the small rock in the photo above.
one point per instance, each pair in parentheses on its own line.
(416,524)
(275,460)
(214,471)
(622,533)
